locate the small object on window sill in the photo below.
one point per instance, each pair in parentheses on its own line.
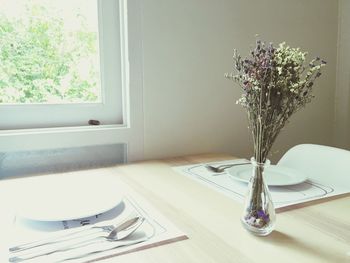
(94,122)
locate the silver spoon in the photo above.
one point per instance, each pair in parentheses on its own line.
(221,168)
(120,232)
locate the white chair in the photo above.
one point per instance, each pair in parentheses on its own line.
(330,164)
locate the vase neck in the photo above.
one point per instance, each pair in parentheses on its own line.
(258,164)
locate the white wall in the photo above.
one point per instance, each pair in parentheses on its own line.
(342,99)
(189,107)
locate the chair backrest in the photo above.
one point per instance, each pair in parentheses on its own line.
(322,163)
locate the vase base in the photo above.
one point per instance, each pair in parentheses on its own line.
(265,231)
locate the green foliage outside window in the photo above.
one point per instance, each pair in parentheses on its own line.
(41,62)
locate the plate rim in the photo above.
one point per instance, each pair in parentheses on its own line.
(23,210)
(29,216)
(301,177)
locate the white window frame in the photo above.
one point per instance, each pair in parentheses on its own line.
(129,133)
(107,111)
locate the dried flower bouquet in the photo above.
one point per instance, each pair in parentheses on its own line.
(275,84)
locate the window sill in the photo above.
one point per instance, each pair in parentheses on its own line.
(61,129)
(73,137)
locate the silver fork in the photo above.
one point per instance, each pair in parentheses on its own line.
(221,168)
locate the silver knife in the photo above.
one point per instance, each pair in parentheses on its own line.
(118,244)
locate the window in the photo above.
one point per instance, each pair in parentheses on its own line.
(61,63)
(113,96)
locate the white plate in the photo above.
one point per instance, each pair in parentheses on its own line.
(274,175)
(66,196)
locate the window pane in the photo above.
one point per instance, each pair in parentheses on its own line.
(49,52)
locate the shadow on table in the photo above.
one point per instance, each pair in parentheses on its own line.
(281,239)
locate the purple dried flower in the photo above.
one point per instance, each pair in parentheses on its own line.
(261,214)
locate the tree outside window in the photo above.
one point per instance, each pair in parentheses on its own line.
(49,52)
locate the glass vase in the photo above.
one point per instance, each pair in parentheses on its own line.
(259,215)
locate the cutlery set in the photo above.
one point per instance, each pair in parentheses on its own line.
(118,234)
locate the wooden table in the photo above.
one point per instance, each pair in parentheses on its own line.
(318,232)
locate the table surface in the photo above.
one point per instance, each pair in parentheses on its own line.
(313,232)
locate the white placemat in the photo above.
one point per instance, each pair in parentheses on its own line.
(282,196)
